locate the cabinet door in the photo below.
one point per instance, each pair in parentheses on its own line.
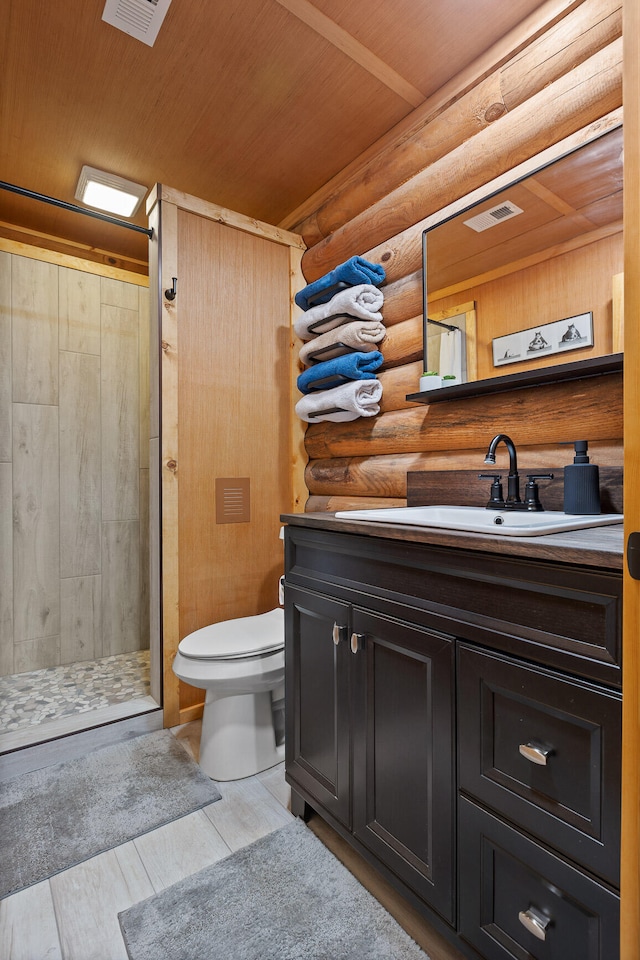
(403,752)
(317,699)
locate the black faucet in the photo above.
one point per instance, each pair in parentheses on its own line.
(513,501)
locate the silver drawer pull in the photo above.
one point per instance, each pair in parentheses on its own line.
(536,923)
(535,752)
(339,633)
(357,642)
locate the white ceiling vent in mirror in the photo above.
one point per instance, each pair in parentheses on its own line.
(141,19)
(489,218)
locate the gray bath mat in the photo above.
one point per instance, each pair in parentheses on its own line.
(53,818)
(284,897)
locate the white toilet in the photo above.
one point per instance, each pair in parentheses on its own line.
(240,664)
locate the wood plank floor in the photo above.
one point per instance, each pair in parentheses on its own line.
(73,915)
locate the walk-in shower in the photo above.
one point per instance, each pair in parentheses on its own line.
(74,505)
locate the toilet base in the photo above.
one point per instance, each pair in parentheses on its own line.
(238,738)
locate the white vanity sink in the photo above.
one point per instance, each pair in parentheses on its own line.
(508,523)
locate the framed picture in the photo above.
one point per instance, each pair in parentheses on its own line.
(560,336)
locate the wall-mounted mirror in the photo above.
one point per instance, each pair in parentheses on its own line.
(533,270)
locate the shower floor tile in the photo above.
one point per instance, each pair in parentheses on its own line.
(29,699)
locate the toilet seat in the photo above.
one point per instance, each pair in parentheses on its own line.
(240,639)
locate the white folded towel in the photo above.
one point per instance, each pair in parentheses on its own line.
(362,302)
(451,354)
(358,398)
(362,335)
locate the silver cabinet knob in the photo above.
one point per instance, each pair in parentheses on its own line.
(535,922)
(339,633)
(535,752)
(357,642)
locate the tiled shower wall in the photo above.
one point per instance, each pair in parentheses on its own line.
(74,427)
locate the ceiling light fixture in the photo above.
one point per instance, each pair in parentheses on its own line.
(106,191)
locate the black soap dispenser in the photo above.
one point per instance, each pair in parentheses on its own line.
(581,483)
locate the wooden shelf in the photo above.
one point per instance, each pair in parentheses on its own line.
(579,370)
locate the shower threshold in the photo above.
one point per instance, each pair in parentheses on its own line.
(62,727)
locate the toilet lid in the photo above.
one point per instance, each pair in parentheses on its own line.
(237,639)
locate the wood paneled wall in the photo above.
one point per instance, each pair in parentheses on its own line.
(555,91)
(73,465)
(225,412)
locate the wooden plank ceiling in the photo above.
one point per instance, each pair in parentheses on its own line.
(252,105)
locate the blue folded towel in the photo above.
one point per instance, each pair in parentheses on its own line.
(331,373)
(351,272)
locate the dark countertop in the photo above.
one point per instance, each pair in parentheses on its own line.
(595,547)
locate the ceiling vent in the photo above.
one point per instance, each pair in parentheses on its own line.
(504,211)
(141,19)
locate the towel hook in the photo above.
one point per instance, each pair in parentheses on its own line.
(171,294)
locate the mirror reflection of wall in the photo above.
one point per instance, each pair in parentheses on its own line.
(542,250)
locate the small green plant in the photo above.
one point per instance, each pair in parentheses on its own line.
(430,373)
(449,376)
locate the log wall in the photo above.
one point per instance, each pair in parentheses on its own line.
(559,88)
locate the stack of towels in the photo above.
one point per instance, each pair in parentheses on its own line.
(342,328)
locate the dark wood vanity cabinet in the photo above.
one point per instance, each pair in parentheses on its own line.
(370,734)
(445,716)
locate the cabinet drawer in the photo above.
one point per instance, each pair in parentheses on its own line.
(544,751)
(518,900)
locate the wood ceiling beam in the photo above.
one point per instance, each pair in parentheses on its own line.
(360,54)
(556,203)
